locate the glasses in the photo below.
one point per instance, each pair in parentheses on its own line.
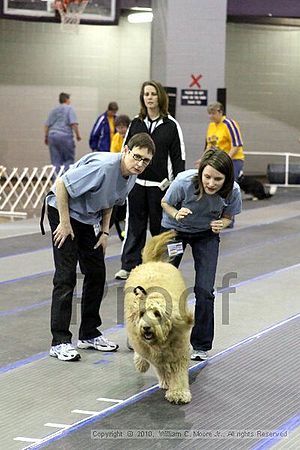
(139,158)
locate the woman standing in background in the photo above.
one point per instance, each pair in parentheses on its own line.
(144,201)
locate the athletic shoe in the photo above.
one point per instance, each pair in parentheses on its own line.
(98,343)
(122,274)
(272,190)
(199,355)
(64,352)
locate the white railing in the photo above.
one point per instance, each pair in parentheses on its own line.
(287,157)
(24,189)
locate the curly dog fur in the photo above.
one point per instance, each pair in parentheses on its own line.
(158,321)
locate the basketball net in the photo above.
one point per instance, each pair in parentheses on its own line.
(70,12)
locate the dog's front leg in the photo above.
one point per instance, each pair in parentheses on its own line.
(163,378)
(179,390)
(140,363)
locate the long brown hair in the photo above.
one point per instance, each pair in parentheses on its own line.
(220,161)
(163,101)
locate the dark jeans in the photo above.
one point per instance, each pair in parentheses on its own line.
(144,203)
(92,266)
(238,165)
(205,250)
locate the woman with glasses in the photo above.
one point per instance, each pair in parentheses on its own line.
(144,201)
(79,211)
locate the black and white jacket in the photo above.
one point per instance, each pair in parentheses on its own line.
(169,158)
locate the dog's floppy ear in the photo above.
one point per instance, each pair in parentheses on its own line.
(140,292)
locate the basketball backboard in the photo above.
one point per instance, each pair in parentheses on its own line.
(102,12)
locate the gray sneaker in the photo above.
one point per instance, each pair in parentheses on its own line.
(122,274)
(199,355)
(98,343)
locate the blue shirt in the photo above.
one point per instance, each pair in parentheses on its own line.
(94,183)
(181,194)
(60,120)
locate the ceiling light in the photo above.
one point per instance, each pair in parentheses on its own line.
(140,17)
(140,8)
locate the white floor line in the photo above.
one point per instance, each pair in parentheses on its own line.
(82,411)
(112,400)
(25,439)
(56,425)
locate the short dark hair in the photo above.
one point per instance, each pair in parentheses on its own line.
(220,161)
(163,100)
(63,97)
(142,140)
(122,119)
(113,106)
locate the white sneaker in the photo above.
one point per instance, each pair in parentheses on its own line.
(98,343)
(122,274)
(273,190)
(199,355)
(64,352)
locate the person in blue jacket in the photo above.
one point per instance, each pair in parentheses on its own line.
(104,129)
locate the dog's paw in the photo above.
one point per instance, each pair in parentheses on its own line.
(141,364)
(178,397)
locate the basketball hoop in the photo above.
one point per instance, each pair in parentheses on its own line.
(70,12)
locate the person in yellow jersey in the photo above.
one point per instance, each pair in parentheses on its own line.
(119,212)
(122,123)
(104,129)
(225,134)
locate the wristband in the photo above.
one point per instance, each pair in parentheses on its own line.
(105,232)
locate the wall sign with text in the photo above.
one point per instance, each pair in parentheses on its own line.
(193,97)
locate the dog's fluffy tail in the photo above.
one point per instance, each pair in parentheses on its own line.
(156,248)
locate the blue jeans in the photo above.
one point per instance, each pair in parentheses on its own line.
(62,150)
(205,250)
(238,165)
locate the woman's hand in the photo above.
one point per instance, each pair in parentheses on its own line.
(102,241)
(220,224)
(182,213)
(217,225)
(61,233)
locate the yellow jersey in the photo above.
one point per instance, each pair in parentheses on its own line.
(116,143)
(225,135)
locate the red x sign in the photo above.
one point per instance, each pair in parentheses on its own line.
(195,80)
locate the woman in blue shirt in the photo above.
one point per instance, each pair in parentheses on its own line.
(198,206)
(79,211)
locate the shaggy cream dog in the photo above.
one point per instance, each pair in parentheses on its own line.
(158,321)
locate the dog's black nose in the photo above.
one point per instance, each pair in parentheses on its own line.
(146,329)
